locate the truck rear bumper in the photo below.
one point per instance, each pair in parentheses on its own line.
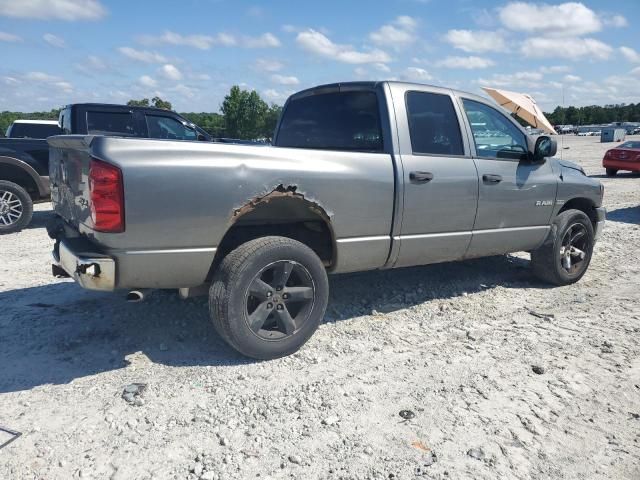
(92,270)
(601,214)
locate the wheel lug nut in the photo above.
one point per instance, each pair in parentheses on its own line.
(285,295)
(280,307)
(278,288)
(269,306)
(269,294)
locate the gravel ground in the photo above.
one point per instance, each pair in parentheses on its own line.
(500,375)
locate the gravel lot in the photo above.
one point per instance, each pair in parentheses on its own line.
(503,376)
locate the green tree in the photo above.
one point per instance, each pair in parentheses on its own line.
(138,103)
(244,114)
(155,102)
(159,103)
(271,120)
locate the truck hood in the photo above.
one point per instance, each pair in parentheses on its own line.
(571,165)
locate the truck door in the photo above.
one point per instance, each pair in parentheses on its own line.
(516,197)
(440,178)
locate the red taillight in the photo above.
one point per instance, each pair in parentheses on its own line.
(107,197)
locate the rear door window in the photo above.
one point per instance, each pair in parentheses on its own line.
(111,123)
(433,124)
(160,126)
(333,121)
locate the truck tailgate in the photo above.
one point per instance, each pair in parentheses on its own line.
(69,161)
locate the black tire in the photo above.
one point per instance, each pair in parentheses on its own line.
(611,172)
(14,200)
(548,261)
(260,262)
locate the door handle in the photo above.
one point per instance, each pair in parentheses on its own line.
(420,177)
(489,178)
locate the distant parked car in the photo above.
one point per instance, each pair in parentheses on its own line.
(624,157)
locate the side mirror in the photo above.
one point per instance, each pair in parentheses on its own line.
(544,147)
(202,138)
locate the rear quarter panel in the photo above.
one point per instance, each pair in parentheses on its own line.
(180,198)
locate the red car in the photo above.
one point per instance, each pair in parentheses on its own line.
(624,157)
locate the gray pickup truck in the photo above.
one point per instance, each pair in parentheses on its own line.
(361,176)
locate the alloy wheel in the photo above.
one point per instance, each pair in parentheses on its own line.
(279,300)
(573,251)
(11,208)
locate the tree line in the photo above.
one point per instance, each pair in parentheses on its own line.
(245,115)
(595,114)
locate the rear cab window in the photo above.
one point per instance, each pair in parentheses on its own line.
(433,124)
(33,130)
(111,123)
(348,120)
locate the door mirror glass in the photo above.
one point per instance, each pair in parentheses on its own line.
(545,147)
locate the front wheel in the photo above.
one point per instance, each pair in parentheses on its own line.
(611,172)
(268,297)
(565,259)
(16,207)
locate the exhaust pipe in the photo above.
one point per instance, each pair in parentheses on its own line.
(136,296)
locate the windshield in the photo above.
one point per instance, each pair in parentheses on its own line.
(630,145)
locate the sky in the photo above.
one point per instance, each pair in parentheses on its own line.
(190,52)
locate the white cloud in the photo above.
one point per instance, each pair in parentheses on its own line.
(476,40)
(617,21)
(277,96)
(54,40)
(290,28)
(147,81)
(184,90)
(266,40)
(64,86)
(68,10)
(267,65)
(416,74)
(469,63)
(92,65)
(205,42)
(285,79)
(381,67)
(397,35)
(202,42)
(569,19)
(630,54)
(171,72)
(636,72)
(572,48)
(572,78)
(526,78)
(9,37)
(315,42)
(142,55)
(555,69)
(40,77)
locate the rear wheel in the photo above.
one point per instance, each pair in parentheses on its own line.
(611,172)
(16,207)
(268,297)
(566,259)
